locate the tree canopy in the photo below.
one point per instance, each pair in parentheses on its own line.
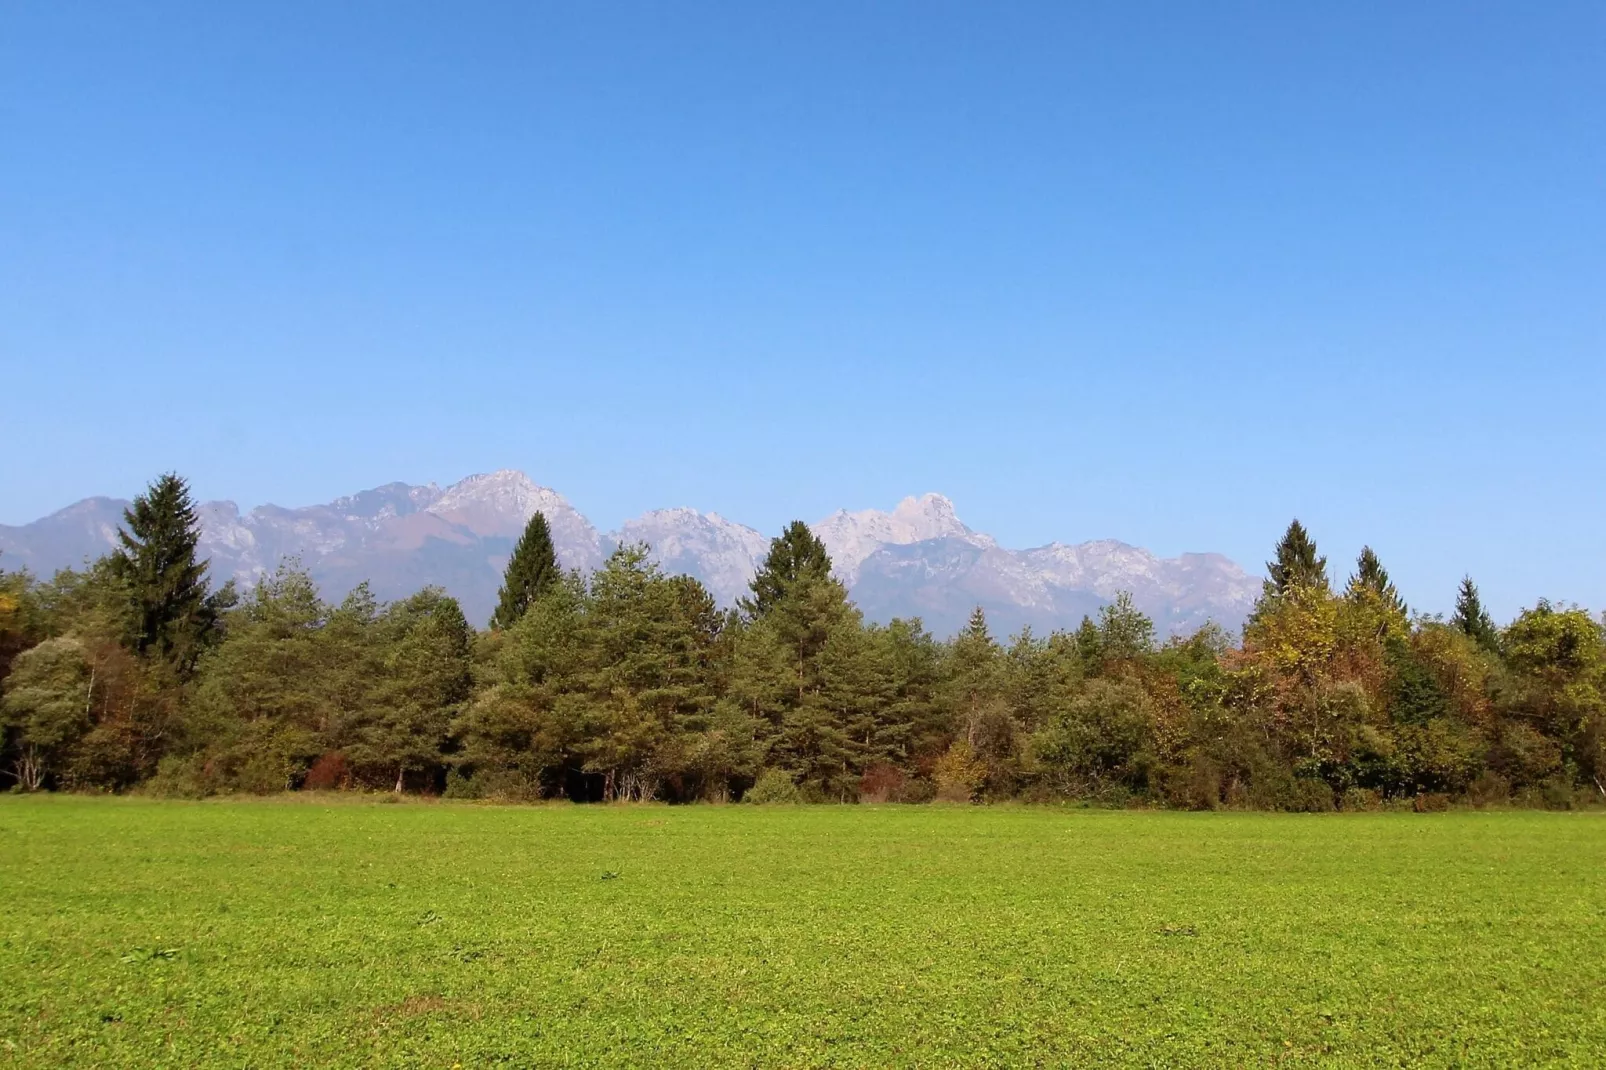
(633,684)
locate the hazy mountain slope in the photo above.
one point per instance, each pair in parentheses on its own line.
(918,559)
(397,537)
(64,539)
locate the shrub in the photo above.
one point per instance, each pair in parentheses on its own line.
(265,774)
(1311,796)
(882,783)
(959,774)
(1361,799)
(183,778)
(329,772)
(1524,756)
(1489,789)
(497,784)
(1195,786)
(1431,802)
(1557,793)
(1270,788)
(773,786)
(918,790)
(1114,797)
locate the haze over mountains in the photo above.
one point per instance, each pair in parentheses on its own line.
(917,560)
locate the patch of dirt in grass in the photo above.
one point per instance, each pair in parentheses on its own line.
(416,1006)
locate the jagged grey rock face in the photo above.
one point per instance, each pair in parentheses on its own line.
(850,538)
(917,560)
(722,554)
(499,505)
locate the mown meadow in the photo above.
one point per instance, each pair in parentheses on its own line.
(328,931)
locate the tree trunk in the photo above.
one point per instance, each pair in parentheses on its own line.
(30,770)
(401,771)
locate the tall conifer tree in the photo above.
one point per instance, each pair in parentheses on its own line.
(795,557)
(974,667)
(1472,618)
(1370,575)
(167,584)
(1297,563)
(531,570)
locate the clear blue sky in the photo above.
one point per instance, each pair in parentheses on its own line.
(1170,273)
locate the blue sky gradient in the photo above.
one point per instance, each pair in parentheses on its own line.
(1169,273)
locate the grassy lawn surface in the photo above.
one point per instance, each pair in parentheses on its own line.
(332,932)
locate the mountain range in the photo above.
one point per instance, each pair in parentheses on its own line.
(917,560)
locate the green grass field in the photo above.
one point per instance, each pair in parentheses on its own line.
(307,932)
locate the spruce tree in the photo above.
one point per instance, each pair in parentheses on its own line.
(167,585)
(1297,563)
(976,631)
(1472,618)
(796,557)
(1370,575)
(798,606)
(531,570)
(974,668)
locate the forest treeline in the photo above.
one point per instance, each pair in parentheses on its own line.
(135,672)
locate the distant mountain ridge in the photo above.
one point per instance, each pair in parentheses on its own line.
(919,559)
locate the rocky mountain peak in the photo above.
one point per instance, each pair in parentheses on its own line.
(919,559)
(502,503)
(507,489)
(676,514)
(929,511)
(852,537)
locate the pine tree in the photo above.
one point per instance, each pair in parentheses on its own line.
(1296,564)
(794,558)
(648,638)
(1472,618)
(424,646)
(167,584)
(1370,575)
(531,570)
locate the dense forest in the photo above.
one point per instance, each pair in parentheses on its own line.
(136,673)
